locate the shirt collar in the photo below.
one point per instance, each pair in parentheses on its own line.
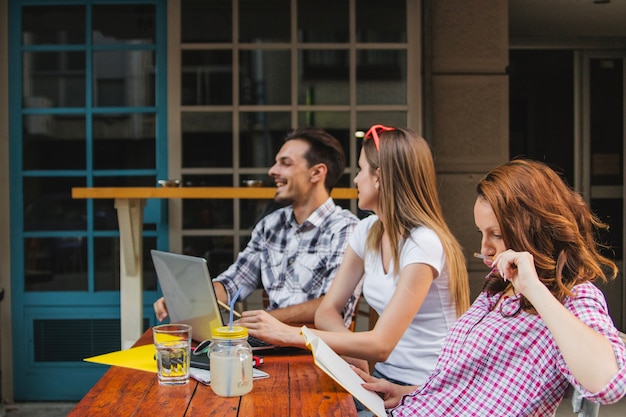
(315,219)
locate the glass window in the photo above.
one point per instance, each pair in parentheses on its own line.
(323,21)
(207,139)
(207,213)
(265,77)
(325,77)
(261,136)
(207,77)
(107,264)
(124,24)
(381,77)
(54,142)
(47,25)
(206,21)
(54,79)
(123,78)
(124,141)
(378,21)
(217,250)
(264,21)
(365,120)
(334,122)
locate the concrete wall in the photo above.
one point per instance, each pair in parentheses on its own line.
(466,55)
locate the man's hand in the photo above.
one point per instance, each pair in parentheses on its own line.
(160,309)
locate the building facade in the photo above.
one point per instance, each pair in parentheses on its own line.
(124,93)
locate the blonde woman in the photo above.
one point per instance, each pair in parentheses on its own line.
(410,265)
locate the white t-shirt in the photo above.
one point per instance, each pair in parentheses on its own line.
(416,353)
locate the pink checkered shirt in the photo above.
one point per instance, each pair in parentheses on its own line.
(492,365)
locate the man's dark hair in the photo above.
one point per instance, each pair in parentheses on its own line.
(324,149)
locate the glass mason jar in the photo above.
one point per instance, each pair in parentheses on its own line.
(231,361)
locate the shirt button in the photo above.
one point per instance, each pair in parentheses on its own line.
(291,261)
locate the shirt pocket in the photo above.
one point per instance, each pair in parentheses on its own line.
(311,272)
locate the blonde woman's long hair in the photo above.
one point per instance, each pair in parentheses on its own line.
(408,198)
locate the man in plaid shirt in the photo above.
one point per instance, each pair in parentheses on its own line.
(295,251)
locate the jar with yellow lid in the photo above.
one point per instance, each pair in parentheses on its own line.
(231,361)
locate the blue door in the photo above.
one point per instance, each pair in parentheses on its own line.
(87,108)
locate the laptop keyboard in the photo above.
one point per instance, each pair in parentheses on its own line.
(256,342)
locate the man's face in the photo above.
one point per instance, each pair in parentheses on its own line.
(291,172)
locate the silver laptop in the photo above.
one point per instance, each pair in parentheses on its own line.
(190,296)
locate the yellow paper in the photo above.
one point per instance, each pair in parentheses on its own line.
(141,358)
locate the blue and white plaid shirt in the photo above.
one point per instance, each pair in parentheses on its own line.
(295,262)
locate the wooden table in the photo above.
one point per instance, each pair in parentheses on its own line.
(130,202)
(296,387)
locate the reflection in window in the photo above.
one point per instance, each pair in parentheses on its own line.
(378,21)
(55,263)
(124,141)
(381,76)
(47,25)
(115,24)
(266,77)
(207,139)
(123,78)
(196,13)
(261,136)
(365,120)
(264,21)
(207,213)
(107,264)
(54,79)
(207,77)
(54,142)
(323,21)
(325,77)
(217,250)
(48,204)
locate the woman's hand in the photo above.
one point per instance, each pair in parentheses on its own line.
(263,325)
(391,393)
(361,364)
(518,268)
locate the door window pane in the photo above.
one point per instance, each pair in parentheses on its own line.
(325,77)
(47,25)
(123,78)
(207,77)
(55,263)
(54,79)
(207,139)
(264,21)
(54,142)
(323,21)
(48,204)
(124,24)
(266,77)
(124,141)
(206,21)
(107,264)
(261,136)
(378,21)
